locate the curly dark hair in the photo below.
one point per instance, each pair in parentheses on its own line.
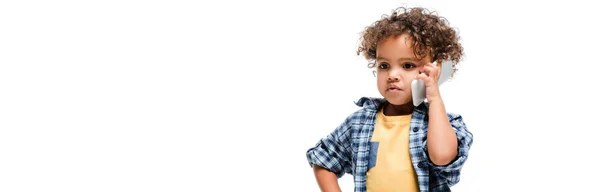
(430,33)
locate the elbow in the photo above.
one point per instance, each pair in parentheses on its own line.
(442,159)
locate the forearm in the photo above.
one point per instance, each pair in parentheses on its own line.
(326,179)
(442,143)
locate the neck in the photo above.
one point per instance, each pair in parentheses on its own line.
(396,110)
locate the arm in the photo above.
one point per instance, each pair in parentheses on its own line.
(448,160)
(448,140)
(442,141)
(331,158)
(327,180)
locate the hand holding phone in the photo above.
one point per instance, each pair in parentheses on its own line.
(418,85)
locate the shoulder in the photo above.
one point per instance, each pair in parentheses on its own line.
(370,102)
(368,108)
(364,115)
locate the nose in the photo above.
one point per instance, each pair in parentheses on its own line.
(394,75)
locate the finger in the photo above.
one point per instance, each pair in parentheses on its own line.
(424,77)
(430,64)
(438,69)
(438,65)
(422,68)
(431,71)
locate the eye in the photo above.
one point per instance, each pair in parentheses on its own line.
(408,65)
(384,66)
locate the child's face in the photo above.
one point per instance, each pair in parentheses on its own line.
(397,66)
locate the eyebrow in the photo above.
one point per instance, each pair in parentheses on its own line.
(403,58)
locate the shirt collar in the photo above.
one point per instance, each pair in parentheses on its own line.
(375,103)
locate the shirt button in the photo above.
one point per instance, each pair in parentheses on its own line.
(415,129)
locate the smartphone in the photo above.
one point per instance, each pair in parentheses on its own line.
(418,86)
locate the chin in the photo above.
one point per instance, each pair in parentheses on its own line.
(397,101)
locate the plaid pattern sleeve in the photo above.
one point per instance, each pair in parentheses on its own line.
(333,152)
(451,172)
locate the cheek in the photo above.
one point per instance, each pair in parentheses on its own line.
(407,80)
(381,78)
(409,76)
(381,81)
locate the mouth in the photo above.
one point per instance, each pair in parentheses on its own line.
(394,88)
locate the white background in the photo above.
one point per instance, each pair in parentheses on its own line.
(229,95)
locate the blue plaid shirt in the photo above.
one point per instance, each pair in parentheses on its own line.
(346,149)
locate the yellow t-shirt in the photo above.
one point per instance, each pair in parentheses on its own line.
(390,166)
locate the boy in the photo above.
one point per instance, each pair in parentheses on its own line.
(389,144)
